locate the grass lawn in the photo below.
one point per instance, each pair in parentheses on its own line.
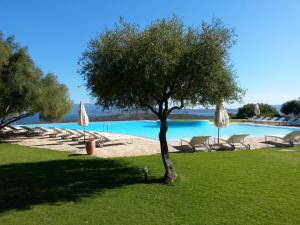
(39,186)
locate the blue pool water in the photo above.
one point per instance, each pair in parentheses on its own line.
(177,129)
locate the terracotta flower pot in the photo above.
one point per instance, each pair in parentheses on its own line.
(90,147)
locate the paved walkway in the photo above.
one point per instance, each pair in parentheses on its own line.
(139,147)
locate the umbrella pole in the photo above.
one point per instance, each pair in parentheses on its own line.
(84,134)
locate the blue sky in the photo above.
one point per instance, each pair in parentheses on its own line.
(266,57)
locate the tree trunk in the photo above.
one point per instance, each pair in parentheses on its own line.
(5,122)
(170,174)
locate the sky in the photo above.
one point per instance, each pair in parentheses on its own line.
(266,57)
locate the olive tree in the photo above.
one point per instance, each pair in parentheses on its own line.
(291,107)
(248,110)
(25,90)
(162,67)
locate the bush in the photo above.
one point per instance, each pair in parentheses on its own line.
(291,108)
(248,111)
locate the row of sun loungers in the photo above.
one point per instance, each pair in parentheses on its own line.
(275,120)
(75,135)
(19,130)
(237,141)
(233,142)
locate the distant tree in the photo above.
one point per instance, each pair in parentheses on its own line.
(161,68)
(248,110)
(24,90)
(291,108)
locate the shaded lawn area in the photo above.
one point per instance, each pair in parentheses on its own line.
(39,186)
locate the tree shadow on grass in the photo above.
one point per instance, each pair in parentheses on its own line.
(27,184)
(277,144)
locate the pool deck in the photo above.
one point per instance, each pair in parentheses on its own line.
(140,146)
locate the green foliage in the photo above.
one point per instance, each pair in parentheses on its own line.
(291,107)
(46,187)
(24,90)
(131,67)
(248,111)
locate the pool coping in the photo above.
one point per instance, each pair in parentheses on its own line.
(178,139)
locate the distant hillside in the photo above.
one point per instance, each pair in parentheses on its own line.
(93,109)
(97,114)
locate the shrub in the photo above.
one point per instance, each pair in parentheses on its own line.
(291,108)
(248,111)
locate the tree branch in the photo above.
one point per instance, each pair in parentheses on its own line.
(156,98)
(151,109)
(6,113)
(14,119)
(176,107)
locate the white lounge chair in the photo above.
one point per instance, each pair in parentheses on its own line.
(6,130)
(265,120)
(290,120)
(72,134)
(196,141)
(17,130)
(58,132)
(295,122)
(45,131)
(273,119)
(259,119)
(281,121)
(291,138)
(81,137)
(253,118)
(109,137)
(235,141)
(32,131)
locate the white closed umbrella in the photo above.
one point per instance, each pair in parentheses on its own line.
(256,110)
(221,118)
(83,117)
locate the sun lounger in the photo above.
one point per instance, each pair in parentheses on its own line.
(281,121)
(6,130)
(81,136)
(58,132)
(290,121)
(265,120)
(291,138)
(253,118)
(17,130)
(235,141)
(93,135)
(274,119)
(86,136)
(259,119)
(295,122)
(109,137)
(71,134)
(196,141)
(31,131)
(45,131)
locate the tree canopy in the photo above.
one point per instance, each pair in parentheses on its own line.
(291,108)
(163,67)
(25,90)
(248,110)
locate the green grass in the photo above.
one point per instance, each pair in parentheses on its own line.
(39,186)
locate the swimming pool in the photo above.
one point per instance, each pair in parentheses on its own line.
(177,129)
